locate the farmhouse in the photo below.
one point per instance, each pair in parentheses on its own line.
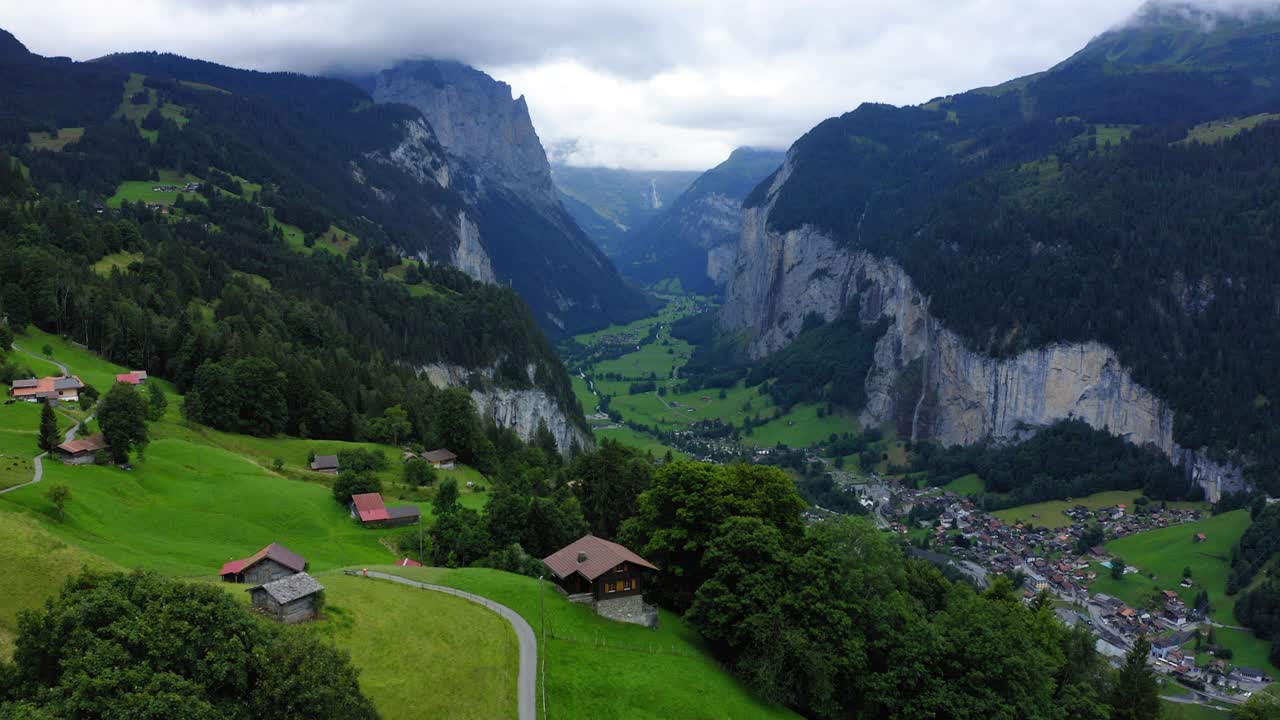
(64,388)
(289,600)
(327,464)
(442,459)
(369,509)
(607,575)
(272,562)
(133,377)
(83,451)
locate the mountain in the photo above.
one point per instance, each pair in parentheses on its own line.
(515,230)
(258,213)
(612,202)
(694,238)
(1090,242)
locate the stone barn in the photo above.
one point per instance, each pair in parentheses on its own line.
(272,562)
(289,600)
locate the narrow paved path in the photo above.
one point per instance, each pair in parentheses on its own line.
(61,366)
(527,692)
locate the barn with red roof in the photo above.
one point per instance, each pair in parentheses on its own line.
(272,562)
(371,510)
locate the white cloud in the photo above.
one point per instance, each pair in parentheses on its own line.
(659,84)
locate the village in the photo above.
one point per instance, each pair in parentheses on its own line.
(1063,563)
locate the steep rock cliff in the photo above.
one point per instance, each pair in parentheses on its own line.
(518,409)
(925,377)
(514,230)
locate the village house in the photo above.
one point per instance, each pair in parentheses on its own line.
(370,510)
(607,575)
(442,459)
(289,600)
(82,451)
(62,388)
(133,377)
(272,562)
(327,464)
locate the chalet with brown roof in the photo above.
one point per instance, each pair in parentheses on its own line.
(272,562)
(63,388)
(82,451)
(443,459)
(607,575)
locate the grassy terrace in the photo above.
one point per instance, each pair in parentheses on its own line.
(54,142)
(1051,514)
(422,654)
(599,668)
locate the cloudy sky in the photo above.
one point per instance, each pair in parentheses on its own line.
(655,84)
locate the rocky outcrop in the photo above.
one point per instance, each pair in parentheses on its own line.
(514,229)
(518,409)
(925,378)
(476,119)
(470,256)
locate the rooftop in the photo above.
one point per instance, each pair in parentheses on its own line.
(591,557)
(275,551)
(286,590)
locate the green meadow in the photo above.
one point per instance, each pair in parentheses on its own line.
(599,668)
(1051,514)
(186,509)
(54,142)
(422,654)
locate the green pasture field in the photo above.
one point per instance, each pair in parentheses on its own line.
(600,668)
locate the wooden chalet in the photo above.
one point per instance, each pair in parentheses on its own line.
(290,599)
(607,575)
(272,562)
(443,459)
(83,451)
(133,377)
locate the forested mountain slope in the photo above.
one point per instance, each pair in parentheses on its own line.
(694,238)
(1096,241)
(255,223)
(522,234)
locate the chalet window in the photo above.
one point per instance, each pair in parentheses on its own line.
(610,587)
(621,568)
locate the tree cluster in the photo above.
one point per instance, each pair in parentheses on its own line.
(142,646)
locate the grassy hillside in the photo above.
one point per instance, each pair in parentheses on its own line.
(36,562)
(603,669)
(422,654)
(188,508)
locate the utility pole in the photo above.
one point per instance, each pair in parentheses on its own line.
(420,538)
(542,649)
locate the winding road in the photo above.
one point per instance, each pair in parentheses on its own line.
(527,692)
(68,437)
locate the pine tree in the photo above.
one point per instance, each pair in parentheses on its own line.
(48,429)
(1134,695)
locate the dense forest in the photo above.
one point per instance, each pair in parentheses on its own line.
(225,308)
(1253,557)
(1067,459)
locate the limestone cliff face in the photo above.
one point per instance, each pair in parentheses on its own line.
(925,378)
(514,229)
(520,410)
(476,119)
